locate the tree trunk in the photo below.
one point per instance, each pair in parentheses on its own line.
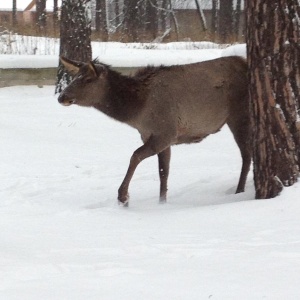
(55,15)
(41,16)
(201,15)
(273,45)
(226,20)
(164,15)
(131,22)
(118,12)
(174,19)
(101,20)
(214,18)
(237,18)
(14,13)
(75,36)
(151,18)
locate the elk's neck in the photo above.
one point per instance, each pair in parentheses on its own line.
(122,101)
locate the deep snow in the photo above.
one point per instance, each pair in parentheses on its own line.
(63,236)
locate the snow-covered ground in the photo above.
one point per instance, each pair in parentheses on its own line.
(63,236)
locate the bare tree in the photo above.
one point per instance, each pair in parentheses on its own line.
(14,13)
(273,50)
(41,16)
(101,19)
(214,18)
(237,18)
(117,13)
(55,15)
(174,19)
(75,36)
(225,20)
(163,15)
(132,19)
(151,18)
(201,15)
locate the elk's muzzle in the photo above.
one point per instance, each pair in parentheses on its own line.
(65,100)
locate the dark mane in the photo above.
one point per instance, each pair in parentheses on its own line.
(149,71)
(96,61)
(123,94)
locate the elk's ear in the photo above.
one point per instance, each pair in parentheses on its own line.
(93,69)
(71,66)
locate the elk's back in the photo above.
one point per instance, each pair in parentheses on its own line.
(193,101)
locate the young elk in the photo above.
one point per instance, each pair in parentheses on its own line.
(168,106)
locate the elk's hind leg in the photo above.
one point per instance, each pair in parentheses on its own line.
(246,157)
(163,167)
(242,135)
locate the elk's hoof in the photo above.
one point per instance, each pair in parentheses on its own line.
(124,200)
(162,200)
(124,204)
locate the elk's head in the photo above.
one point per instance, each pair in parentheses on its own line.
(88,84)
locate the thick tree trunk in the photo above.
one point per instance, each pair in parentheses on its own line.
(274,62)
(75,37)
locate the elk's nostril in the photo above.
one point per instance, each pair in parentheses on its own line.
(60,99)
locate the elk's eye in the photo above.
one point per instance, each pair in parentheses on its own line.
(88,80)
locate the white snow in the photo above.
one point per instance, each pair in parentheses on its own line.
(8,61)
(239,50)
(63,236)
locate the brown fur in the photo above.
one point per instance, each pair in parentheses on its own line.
(168,106)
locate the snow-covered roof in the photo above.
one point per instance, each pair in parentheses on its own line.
(6,5)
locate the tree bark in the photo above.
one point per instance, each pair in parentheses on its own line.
(14,13)
(174,19)
(164,15)
(151,18)
(131,22)
(55,15)
(41,16)
(214,18)
(237,18)
(75,37)
(201,15)
(226,20)
(101,20)
(274,60)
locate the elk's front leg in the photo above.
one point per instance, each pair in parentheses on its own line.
(153,146)
(163,167)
